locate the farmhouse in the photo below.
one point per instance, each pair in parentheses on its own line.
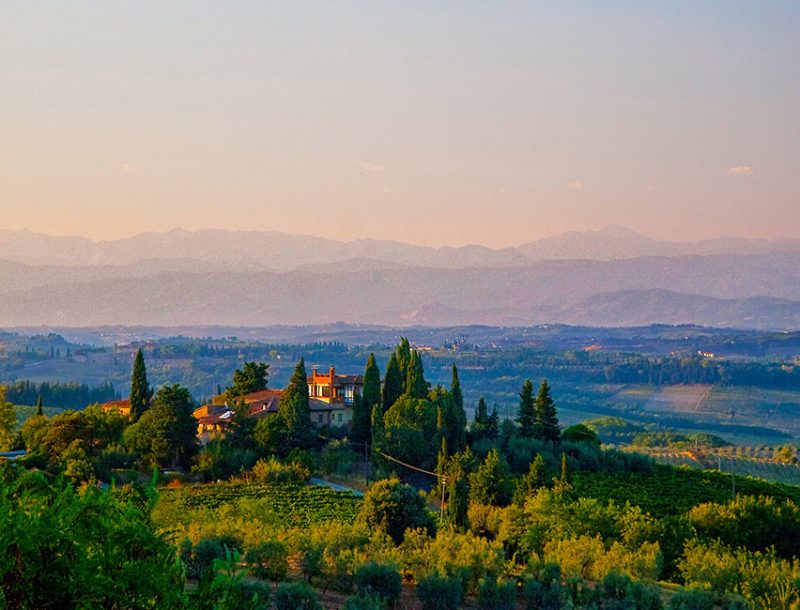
(212,418)
(334,388)
(123,407)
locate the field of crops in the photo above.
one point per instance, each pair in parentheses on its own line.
(298,505)
(668,491)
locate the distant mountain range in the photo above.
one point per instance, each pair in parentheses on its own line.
(609,277)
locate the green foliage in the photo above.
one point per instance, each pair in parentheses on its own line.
(296,596)
(219,460)
(763,579)
(229,590)
(526,416)
(410,431)
(580,433)
(62,548)
(619,592)
(141,393)
(484,426)
(497,594)
(416,386)
(198,559)
(691,599)
(379,580)
(166,434)
(546,426)
(252,377)
(274,472)
(394,383)
(758,523)
(294,505)
(440,593)
(268,560)
(371,396)
(364,602)
(543,589)
(491,483)
(535,479)
(394,507)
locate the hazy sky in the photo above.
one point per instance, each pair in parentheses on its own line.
(437,123)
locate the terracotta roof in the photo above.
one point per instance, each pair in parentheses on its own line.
(261,396)
(338,379)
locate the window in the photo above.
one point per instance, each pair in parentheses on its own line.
(319,418)
(340,418)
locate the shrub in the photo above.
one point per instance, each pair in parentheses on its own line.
(440,593)
(619,592)
(543,590)
(692,599)
(268,560)
(274,472)
(395,507)
(494,594)
(364,602)
(296,596)
(379,580)
(199,558)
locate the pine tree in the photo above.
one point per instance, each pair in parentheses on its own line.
(546,420)
(253,377)
(535,479)
(393,383)
(493,427)
(141,393)
(371,396)
(481,413)
(526,417)
(39,407)
(416,386)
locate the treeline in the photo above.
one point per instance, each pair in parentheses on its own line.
(66,395)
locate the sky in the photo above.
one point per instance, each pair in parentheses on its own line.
(439,123)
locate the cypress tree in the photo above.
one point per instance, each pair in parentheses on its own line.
(141,393)
(459,424)
(39,406)
(371,397)
(404,355)
(293,404)
(416,386)
(493,427)
(377,434)
(392,384)
(481,413)
(535,479)
(545,416)
(526,417)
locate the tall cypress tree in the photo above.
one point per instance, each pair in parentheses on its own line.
(39,406)
(371,396)
(481,413)
(546,418)
(416,386)
(526,417)
(403,352)
(377,434)
(393,383)
(459,432)
(141,393)
(293,404)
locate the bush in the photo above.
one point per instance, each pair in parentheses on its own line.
(440,593)
(543,590)
(395,507)
(273,472)
(199,558)
(296,596)
(379,580)
(494,594)
(364,602)
(619,592)
(692,599)
(268,560)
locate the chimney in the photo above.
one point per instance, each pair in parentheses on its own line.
(332,374)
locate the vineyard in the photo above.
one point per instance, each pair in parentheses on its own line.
(297,505)
(667,491)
